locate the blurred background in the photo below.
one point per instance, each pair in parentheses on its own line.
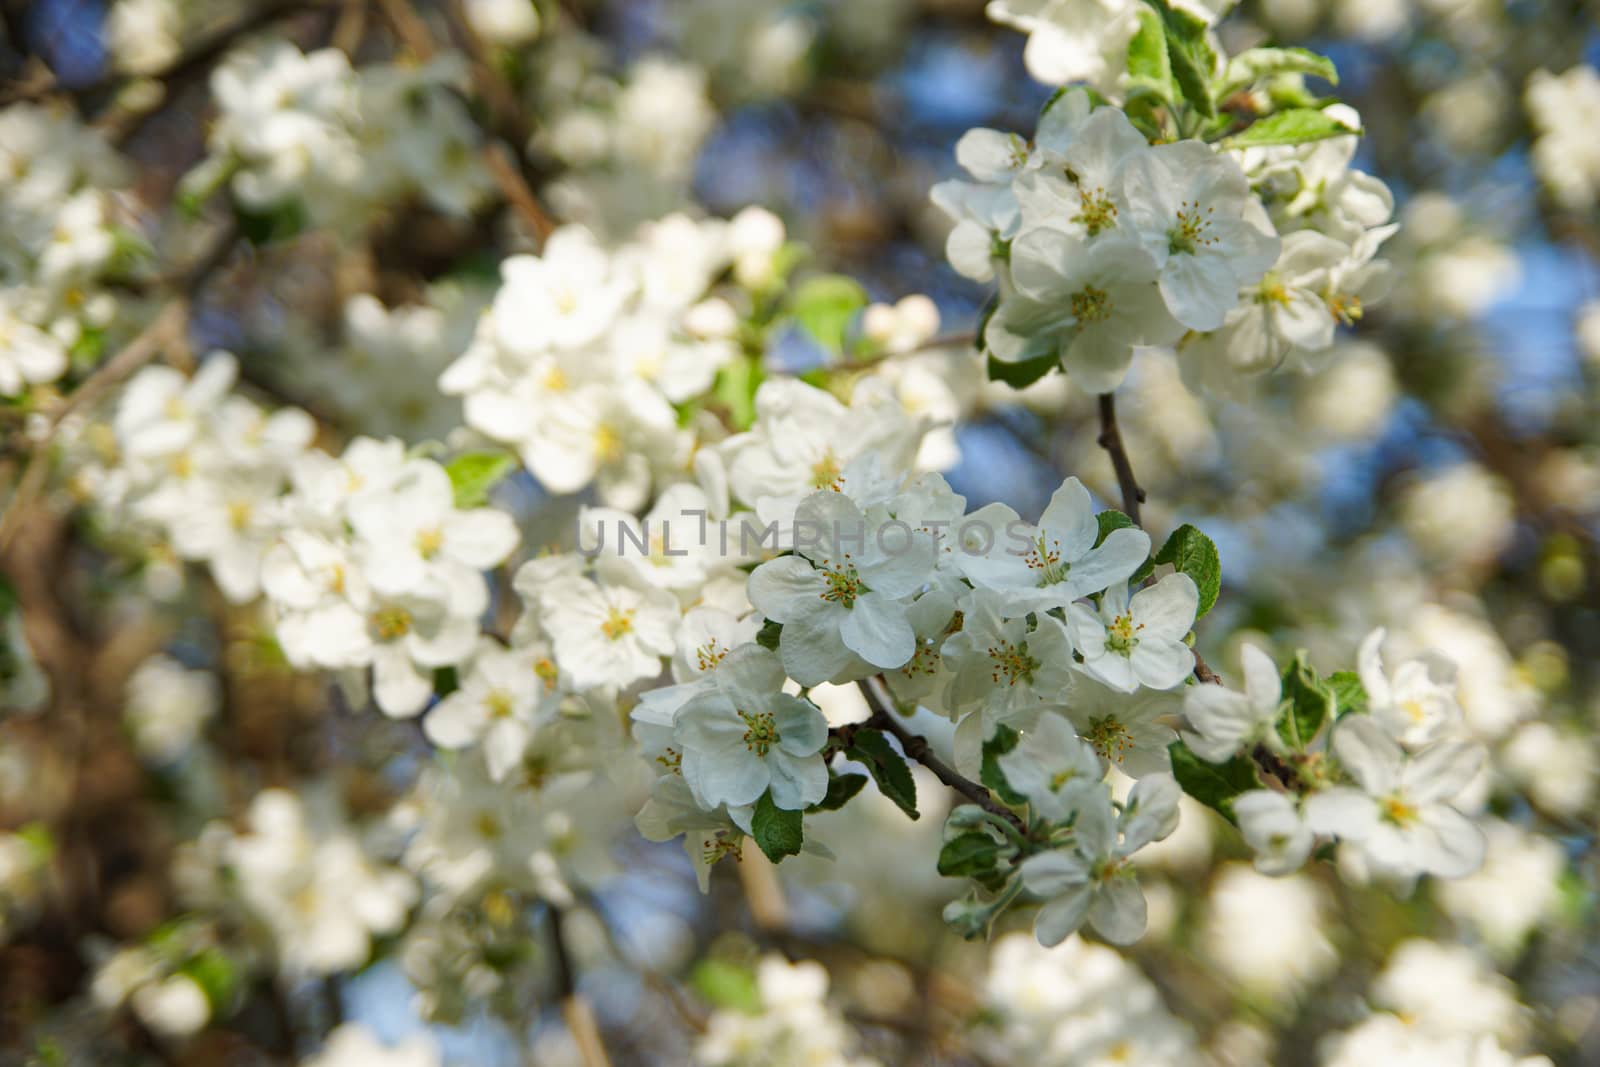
(1440,477)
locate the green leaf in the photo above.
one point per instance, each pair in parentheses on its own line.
(445,681)
(216,976)
(1349,695)
(1149,66)
(1213,784)
(1193,553)
(1251,66)
(777,830)
(1097,99)
(823,306)
(973,918)
(473,474)
(277,223)
(200,184)
(769,634)
(726,985)
(1191,56)
(38,841)
(888,768)
(1109,520)
(841,788)
(1004,740)
(969,855)
(1308,703)
(1296,126)
(735,389)
(1021,375)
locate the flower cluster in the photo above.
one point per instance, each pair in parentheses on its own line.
(1105,234)
(585,351)
(1386,778)
(61,238)
(794,1026)
(310,134)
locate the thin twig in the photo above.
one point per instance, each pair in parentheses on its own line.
(143,348)
(502,145)
(917,748)
(1133,496)
(1111,441)
(166,329)
(961,339)
(575,1010)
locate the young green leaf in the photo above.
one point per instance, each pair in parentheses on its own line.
(726,985)
(1021,375)
(1109,520)
(735,389)
(888,768)
(777,830)
(823,306)
(1296,126)
(1251,66)
(769,635)
(1308,703)
(1149,67)
(841,788)
(473,474)
(1193,553)
(1193,62)
(1349,695)
(1213,784)
(969,855)
(1002,741)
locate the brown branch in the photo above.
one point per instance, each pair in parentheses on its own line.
(917,748)
(1111,441)
(502,147)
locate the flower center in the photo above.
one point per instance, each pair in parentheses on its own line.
(1191,231)
(1096,212)
(392,622)
(1090,304)
(1120,635)
(1109,737)
(1012,663)
(607,443)
(1059,780)
(545,670)
(710,654)
(925,660)
(617,624)
(826,473)
(1345,307)
(1046,559)
(713,849)
(844,584)
(761,731)
(499,703)
(1397,810)
(429,542)
(672,760)
(239,512)
(1272,291)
